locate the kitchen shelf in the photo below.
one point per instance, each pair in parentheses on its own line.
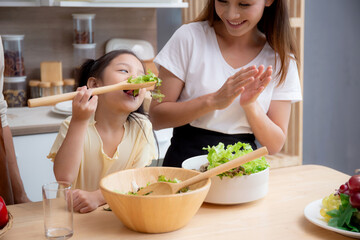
(35,3)
(120,4)
(50,3)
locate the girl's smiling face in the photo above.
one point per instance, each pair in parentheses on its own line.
(120,69)
(240,16)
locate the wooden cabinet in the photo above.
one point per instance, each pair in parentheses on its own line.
(291,154)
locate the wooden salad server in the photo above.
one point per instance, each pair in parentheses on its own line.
(51,100)
(165,188)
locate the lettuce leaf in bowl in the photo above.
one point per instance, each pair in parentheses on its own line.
(219,155)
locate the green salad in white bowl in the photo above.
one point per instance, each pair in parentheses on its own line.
(246,183)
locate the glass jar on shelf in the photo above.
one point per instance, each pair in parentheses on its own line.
(57,87)
(83,28)
(45,89)
(34,88)
(69,85)
(83,52)
(13,55)
(15,91)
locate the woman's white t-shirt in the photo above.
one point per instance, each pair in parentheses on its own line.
(193,55)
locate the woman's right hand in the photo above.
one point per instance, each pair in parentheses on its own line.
(233,87)
(82,107)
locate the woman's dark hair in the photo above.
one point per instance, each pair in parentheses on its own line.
(275,24)
(95,68)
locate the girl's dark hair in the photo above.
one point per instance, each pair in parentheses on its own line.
(95,68)
(275,24)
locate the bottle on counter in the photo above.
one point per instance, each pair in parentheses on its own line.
(57,88)
(69,85)
(45,89)
(15,91)
(34,88)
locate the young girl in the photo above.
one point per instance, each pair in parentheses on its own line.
(229,76)
(106,133)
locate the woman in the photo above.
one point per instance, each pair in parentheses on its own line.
(216,85)
(11,185)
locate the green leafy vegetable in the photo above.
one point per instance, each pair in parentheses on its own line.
(150,77)
(219,155)
(346,217)
(161,178)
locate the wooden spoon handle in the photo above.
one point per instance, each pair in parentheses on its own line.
(225,167)
(51,100)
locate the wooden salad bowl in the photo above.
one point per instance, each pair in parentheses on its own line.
(153,214)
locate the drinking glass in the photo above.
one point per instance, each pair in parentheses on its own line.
(58,210)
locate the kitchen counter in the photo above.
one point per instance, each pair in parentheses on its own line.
(277,216)
(25,121)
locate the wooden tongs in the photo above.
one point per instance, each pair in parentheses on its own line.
(51,100)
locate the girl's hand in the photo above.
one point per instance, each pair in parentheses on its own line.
(82,107)
(253,90)
(84,201)
(233,87)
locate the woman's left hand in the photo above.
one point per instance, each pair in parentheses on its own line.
(84,201)
(253,90)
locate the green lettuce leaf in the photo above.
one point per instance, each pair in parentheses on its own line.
(150,77)
(219,155)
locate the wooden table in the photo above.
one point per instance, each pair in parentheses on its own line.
(277,216)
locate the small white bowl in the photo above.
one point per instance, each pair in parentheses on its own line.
(234,190)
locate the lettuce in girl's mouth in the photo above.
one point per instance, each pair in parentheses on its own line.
(150,77)
(219,155)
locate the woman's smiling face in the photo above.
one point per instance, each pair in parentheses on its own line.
(240,16)
(120,69)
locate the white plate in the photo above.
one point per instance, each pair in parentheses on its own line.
(53,109)
(64,106)
(312,213)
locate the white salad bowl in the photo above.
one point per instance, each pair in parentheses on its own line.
(240,189)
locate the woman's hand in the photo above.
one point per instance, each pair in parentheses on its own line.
(233,87)
(253,89)
(82,107)
(84,201)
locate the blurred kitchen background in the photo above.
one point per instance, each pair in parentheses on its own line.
(324,128)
